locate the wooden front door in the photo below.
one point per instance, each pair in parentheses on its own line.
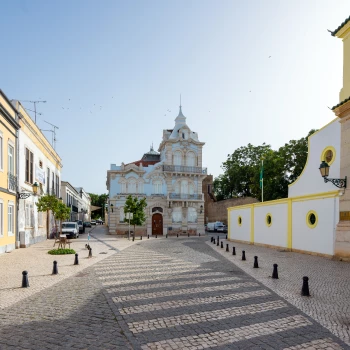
(157,224)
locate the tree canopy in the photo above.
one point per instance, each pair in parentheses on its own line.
(281,168)
(137,207)
(98,200)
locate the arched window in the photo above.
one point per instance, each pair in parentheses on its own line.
(157,187)
(190,188)
(121,214)
(177,158)
(184,186)
(177,187)
(140,187)
(131,186)
(123,187)
(190,159)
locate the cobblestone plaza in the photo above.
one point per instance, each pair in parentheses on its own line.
(178,293)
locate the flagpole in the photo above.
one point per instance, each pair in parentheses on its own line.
(262,182)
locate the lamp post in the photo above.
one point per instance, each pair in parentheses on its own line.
(324,170)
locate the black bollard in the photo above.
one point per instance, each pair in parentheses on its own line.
(256,265)
(214,240)
(76,261)
(275,272)
(226,236)
(141,237)
(55,270)
(217,243)
(133,238)
(166,236)
(211,239)
(243,255)
(177,235)
(222,244)
(305,289)
(188,235)
(199,234)
(218,237)
(227,247)
(156,236)
(233,250)
(148,236)
(90,253)
(25,282)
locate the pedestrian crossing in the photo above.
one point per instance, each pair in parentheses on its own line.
(172,304)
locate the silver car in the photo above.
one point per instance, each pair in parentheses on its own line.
(70,229)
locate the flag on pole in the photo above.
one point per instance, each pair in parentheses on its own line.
(262,174)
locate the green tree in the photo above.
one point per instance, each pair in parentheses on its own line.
(47,203)
(281,168)
(98,200)
(61,213)
(137,208)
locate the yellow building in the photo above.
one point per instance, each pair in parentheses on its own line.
(8,174)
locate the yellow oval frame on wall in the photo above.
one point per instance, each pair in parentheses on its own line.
(266,220)
(239,220)
(308,215)
(323,154)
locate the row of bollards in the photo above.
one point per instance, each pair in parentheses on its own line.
(305,288)
(25,281)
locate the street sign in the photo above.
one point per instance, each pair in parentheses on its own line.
(129,216)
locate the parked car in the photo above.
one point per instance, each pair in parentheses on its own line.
(99,221)
(87,224)
(222,228)
(81,226)
(93,222)
(70,229)
(213,226)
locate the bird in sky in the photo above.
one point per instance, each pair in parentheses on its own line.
(269,56)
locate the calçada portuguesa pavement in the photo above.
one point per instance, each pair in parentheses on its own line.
(171,293)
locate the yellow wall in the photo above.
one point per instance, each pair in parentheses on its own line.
(344,33)
(9,137)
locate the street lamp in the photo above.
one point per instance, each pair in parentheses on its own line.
(25,195)
(324,170)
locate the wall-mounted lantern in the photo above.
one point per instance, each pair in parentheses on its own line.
(324,170)
(112,207)
(25,195)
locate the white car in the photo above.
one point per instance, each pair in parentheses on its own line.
(70,229)
(93,222)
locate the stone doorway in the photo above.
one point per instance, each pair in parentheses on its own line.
(157,224)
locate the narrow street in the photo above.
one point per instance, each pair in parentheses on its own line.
(175,293)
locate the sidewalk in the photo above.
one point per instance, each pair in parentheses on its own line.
(39,264)
(329,282)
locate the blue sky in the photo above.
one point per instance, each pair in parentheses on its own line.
(110,71)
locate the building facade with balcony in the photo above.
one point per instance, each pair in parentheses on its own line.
(71,198)
(170,179)
(8,174)
(84,204)
(40,163)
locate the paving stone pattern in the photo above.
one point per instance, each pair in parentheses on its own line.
(329,282)
(161,294)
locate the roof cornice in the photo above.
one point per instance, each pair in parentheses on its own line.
(343,29)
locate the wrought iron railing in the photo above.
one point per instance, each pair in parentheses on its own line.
(11,182)
(185,169)
(195,196)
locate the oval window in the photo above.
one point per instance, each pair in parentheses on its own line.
(328,155)
(311,219)
(239,220)
(268,219)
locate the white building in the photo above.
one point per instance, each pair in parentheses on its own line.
(170,180)
(38,162)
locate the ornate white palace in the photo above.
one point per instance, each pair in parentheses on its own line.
(170,179)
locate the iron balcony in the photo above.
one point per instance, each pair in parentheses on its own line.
(185,169)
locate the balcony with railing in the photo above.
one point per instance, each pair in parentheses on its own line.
(12,183)
(185,169)
(180,196)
